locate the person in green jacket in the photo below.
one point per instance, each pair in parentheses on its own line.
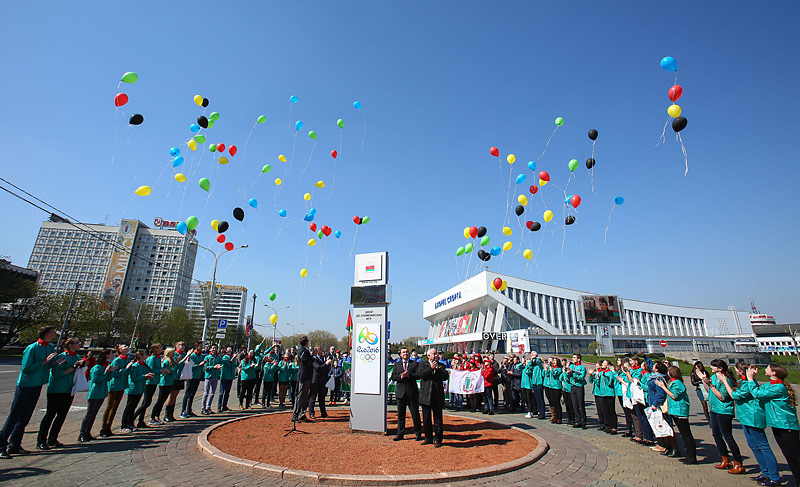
(537,384)
(577,373)
(678,407)
(780,406)
(198,372)
(212,371)
(619,376)
(269,370)
(284,368)
(552,386)
(117,383)
(177,384)
(566,389)
(98,390)
(165,382)
(595,378)
(155,368)
(294,369)
(227,373)
(249,375)
(59,395)
(527,386)
(722,413)
(138,373)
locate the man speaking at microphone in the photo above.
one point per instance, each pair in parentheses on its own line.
(405,373)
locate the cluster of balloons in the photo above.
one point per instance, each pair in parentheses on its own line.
(323,231)
(499,284)
(312,212)
(679,122)
(359,220)
(121,99)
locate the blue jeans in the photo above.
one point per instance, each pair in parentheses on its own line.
(757,441)
(22,408)
(538,396)
(488,405)
(224,393)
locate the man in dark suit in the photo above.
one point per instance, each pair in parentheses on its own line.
(431,375)
(405,373)
(304,376)
(322,367)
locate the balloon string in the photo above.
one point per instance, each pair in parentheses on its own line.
(244,150)
(363,114)
(116,125)
(685,156)
(290,115)
(605,239)
(591,171)
(309,160)
(548,142)
(508,194)
(341,138)
(663,134)
(354,242)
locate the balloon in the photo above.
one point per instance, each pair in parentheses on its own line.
(232,150)
(534,189)
(575,201)
(504,286)
(326,230)
(214,116)
(278,182)
(272,296)
(337,234)
(481,232)
(191,222)
(223,160)
(357,220)
(261,119)
(511,158)
(174,152)
(202,121)
(522,199)
(180,177)
(303,272)
(485,241)
(308,217)
(669,63)
(679,124)
(466,232)
(528,224)
(593,134)
(473,232)
(340,123)
(221,147)
(527,254)
(519,210)
(212,147)
(312,135)
(548,215)
(205,102)
(365,220)
(253,203)
(320,184)
(320,234)
(544,176)
(589,163)
(494,288)
(469,248)
(143,190)
(194,127)
(619,200)
(674,111)
(559,121)
(282,213)
(313,227)
(521,179)
(569,220)
(266,168)
(120,99)
(222,227)
(307,196)
(182,228)
(312,242)
(507,231)
(532,166)
(220,237)
(273,318)
(200,138)
(205,184)
(334,154)
(130,77)
(192,145)
(293,99)
(312,211)
(460,251)
(675,92)
(136,119)
(228,246)
(215,225)
(198,100)
(573,164)
(298,125)
(497,282)
(357,105)
(482,254)
(542,182)
(238,213)
(566,200)
(178,161)
(210,123)
(507,246)
(494,151)
(535,226)
(282,158)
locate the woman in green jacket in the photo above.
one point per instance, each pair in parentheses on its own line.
(177,383)
(552,388)
(117,382)
(566,393)
(678,404)
(155,368)
(165,383)
(59,395)
(98,390)
(284,367)
(269,371)
(249,375)
(227,372)
(722,413)
(138,373)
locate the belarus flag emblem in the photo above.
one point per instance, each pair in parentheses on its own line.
(370,268)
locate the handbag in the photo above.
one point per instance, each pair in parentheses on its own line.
(79,382)
(626,401)
(186,373)
(331,384)
(656,419)
(637,394)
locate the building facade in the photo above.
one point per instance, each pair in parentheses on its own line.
(551,319)
(231,304)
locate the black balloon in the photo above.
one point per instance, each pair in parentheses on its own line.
(136,119)
(570,220)
(679,124)
(481,254)
(205,102)
(535,226)
(593,134)
(238,213)
(519,210)
(202,121)
(481,232)
(589,163)
(222,227)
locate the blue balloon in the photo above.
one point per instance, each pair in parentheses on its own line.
(495,251)
(566,200)
(521,179)
(619,200)
(253,202)
(308,217)
(298,125)
(178,161)
(194,127)
(532,165)
(174,152)
(357,105)
(293,99)
(337,234)
(182,228)
(282,213)
(669,63)
(312,211)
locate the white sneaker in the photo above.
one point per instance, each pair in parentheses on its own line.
(125,431)
(529,415)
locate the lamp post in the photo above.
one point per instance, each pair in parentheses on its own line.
(252,323)
(209,299)
(274,325)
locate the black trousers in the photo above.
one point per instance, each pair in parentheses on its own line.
(628,415)
(530,402)
(247,390)
(257,385)
(292,390)
(609,412)
(538,396)
(598,404)
(412,403)
(688,438)
(266,393)
(188,396)
(301,399)
(163,394)
(92,409)
(434,430)
(570,409)
(130,407)
(789,442)
(579,405)
(317,393)
(149,392)
(57,408)
(224,393)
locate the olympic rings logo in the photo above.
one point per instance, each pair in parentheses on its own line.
(368,357)
(367,336)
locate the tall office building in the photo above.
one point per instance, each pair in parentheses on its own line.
(231,304)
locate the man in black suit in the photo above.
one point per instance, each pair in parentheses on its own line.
(405,373)
(431,375)
(322,367)
(304,376)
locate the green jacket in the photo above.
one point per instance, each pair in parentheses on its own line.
(153,363)
(211,361)
(566,384)
(61,378)
(644,378)
(136,378)
(34,371)
(197,370)
(248,369)
(750,411)
(178,368)
(118,381)
(283,370)
(169,378)
(527,375)
(617,385)
(293,369)
(725,406)
(607,383)
(98,382)
(578,376)
(678,407)
(774,398)
(552,378)
(228,365)
(596,379)
(269,369)
(538,373)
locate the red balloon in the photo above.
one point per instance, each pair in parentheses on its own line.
(228,246)
(220,238)
(334,154)
(675,92)
(221,147)
(313,227)
(326,230)
(575,201)
(357,220)
(120,99)
(544,176)
(473,232)
(232,150)
(494,151)
(529,224)
(498,283)
(534,189)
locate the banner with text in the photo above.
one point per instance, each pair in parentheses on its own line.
(464,382)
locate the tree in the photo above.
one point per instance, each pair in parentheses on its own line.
(21,315)
(177,325)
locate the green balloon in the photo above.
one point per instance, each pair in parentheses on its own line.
(212,147)
(313,135)
(365,220)
(262,119)
(340,123)
(485,241)
(272,296)
(191,222)
(130,77)
(266,168)
(214,116)
(559,121)
(573,164)
(319,233)
(205,184)
(200,138)
(210,123)
(468,249)
(460,251)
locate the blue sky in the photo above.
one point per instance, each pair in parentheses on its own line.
(440,84)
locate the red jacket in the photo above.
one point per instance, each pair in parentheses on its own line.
(488,376)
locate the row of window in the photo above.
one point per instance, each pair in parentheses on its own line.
(644,323)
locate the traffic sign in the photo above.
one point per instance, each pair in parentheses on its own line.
(663,343)
(220,335)
(222,324)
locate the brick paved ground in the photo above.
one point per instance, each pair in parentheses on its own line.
(167,456)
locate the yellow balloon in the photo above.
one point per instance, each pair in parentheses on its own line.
(506,231)
(282,158)
(198,100)
(223,160)
(143,190)
(511,158)
(466,233)
(504,286)
(527,254)
(507,246)
(273,318)
(215,224)
(303,272)
(278,182)
(542,182)
(523,200)
(312,242)
(674,111)
(320,184)
(180,177)
(548,215)
(493,287)
(192,144)
(307,196)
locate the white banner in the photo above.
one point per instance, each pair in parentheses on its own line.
(369,369)
(463,382)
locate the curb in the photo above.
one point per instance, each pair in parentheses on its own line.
(290,474)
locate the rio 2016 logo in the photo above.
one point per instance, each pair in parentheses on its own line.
(367,352)
(367,336)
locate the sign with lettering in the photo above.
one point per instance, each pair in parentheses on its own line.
(493,335)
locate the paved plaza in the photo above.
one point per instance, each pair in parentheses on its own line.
(168,456)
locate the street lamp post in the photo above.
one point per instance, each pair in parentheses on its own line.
(209,299)
(274,325)
(252,323)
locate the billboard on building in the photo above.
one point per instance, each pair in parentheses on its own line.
(601,309)
(120,258)
(455,326)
